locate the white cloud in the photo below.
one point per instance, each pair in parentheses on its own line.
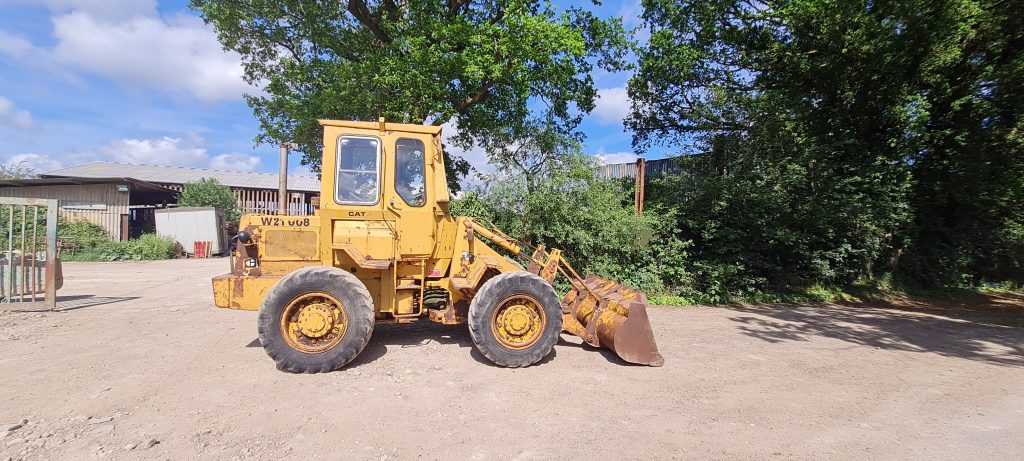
(179,54)
(189,152)
(475,155)
(34,162)
(235,161)
(13,46)
(160,151)
(11,116)
(612,105)
(630,13)
(613,158)
(106,9)
(131,44)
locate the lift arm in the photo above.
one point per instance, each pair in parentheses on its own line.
(603,312)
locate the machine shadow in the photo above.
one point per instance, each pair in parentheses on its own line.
(410,335)
(419,334)
(988,328)
(610,356)
(422,333)
(75,302)
(70,303)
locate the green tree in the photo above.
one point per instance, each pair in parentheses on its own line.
(534,151)
(968,154)
(16,171)
(838,139)
(208,192)
(479,64)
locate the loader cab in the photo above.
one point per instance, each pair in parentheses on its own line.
(384,193)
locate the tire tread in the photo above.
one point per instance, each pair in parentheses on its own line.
(333,280)
(492,292)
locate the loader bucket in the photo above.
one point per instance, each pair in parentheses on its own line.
(608,314)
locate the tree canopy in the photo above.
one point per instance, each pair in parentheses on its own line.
(821,142)
(479,64)
(210,192)
(16,171)
(840,139)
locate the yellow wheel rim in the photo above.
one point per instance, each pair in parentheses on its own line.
(518,322)
(314,323)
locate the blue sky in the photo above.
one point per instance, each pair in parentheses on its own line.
(142,81)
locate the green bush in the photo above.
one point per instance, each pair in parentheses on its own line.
(22,216)
(209,192)
(91,243)
(146,247)
(591,220)
(84,235)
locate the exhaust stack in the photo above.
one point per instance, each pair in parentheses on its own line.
(282,182)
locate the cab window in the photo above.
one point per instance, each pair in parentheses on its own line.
(410,178)
(358,176)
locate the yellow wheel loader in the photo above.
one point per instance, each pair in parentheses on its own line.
(382,247)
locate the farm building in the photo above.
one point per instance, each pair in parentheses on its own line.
(121,197)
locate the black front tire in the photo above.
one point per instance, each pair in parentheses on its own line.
(343,286)
(488,298)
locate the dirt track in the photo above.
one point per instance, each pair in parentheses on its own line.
(137,356)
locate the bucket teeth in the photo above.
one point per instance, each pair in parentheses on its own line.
(608,314)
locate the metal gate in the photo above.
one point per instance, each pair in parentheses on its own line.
(29,271)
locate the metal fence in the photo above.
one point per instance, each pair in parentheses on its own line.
(29,271)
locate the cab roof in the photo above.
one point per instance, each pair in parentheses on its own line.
(381,125)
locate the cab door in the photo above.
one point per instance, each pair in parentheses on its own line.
(408,196)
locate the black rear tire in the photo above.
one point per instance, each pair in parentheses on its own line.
(491,296)
(343,286)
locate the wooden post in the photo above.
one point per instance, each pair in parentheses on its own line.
(641,180)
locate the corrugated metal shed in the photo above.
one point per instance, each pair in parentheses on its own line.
(100,204)
(106,202)
(660,167)
(180,175)
(617,170)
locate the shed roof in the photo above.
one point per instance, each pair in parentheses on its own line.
(61,181)
(180,175)
(142,192)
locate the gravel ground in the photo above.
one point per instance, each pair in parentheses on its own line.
(137,363)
